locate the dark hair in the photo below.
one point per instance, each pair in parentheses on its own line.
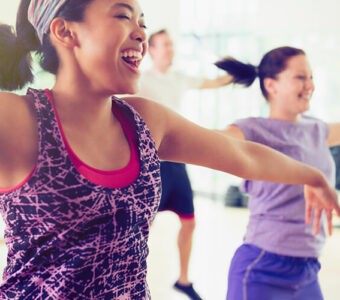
(15,47)
(272,63)
(151,40)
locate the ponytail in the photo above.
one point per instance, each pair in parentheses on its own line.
(15,61)
(242,73)
(272,64)
(15,48)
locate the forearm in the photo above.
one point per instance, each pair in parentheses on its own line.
(269,165)
(217,82)
(186,142)
(241,158)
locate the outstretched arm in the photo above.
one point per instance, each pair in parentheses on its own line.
(217,82)
(180,140)
(311,199)
(18,138)
(189,143)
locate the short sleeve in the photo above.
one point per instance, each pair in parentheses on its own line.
(246,126)
(325,129)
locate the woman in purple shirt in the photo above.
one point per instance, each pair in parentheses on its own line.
(278,259)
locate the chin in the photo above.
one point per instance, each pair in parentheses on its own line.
(302,111)
(128,91)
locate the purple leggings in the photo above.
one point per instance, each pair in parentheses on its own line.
(256,274)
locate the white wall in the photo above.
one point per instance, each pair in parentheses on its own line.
(273,16)
(158,13)
(161,14)
(303,16)
(8,11)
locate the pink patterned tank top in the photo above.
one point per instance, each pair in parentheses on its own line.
(111,179)
(69,238)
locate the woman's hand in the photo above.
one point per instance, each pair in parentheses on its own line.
(318,199)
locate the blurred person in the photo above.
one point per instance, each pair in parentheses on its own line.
(279,257)
(167,86)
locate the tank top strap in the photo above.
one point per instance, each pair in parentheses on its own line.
(53,152)
(51,146)
(147,145)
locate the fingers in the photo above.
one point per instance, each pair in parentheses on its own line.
(308,213)
(309,206)
(337,209)
(315,203)
(329,221)
(334,204)
(316,223)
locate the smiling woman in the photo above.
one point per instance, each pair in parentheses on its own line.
(79,168)
(286,82)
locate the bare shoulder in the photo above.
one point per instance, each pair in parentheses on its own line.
(8,101)
(18,130)
(144,106)
(154,115)
(16,112)
(11,103)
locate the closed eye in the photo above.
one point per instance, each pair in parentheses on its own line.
(123,17)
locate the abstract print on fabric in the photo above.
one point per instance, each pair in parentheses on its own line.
(68,238)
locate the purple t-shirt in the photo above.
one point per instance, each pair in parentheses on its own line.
(277,219)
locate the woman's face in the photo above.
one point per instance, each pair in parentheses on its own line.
(293,87)
(111,45)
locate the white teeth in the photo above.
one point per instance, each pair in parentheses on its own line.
(132,54)
(306,97)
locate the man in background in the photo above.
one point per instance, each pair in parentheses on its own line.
(167,87)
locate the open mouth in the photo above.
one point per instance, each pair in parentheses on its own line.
(132,57)
(305,96)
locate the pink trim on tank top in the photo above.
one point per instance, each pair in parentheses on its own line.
(110,179)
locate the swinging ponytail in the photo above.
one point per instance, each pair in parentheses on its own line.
(16,45)
(242,73)
(272,64)
(15,48)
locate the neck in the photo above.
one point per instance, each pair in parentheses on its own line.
(78,104)
(279,115)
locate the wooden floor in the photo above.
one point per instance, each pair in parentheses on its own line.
(218,233)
